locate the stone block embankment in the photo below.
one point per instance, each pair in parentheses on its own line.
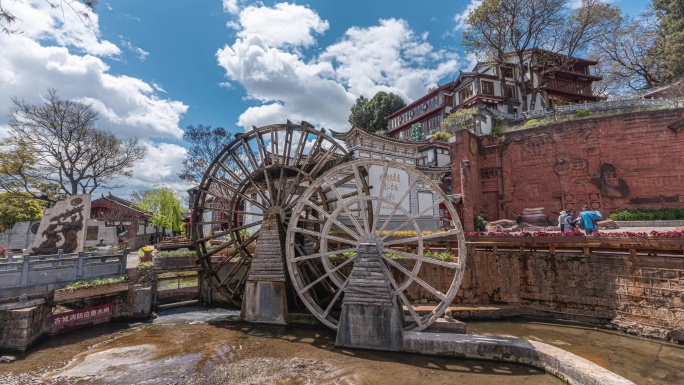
(574,369)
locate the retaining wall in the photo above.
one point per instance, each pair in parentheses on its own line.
(635,285)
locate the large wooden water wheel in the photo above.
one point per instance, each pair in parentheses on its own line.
(264,170)
(387,215)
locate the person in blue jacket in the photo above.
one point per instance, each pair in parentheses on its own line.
(589,219)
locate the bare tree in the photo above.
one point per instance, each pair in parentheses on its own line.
(630,56)
(8,19)
(544,34)
(206,143)
(56,145)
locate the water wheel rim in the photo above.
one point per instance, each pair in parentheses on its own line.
(373,221)
(257,157)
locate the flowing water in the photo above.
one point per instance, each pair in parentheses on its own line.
(200,346)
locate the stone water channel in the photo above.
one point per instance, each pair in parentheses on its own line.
(206,346)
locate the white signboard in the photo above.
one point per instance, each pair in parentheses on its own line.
(396,183)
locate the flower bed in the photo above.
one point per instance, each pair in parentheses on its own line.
(95,287)
(655,240)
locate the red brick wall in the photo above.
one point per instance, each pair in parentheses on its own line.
(624,161)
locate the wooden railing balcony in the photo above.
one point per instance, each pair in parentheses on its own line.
(569,87)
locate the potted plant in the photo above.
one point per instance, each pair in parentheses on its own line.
(145,254)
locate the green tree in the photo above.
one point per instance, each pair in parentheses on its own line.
(370,114)
(165,207)
(670,14)
(18,208)
(360,114)
(382,105)
(55,146)
(463,119)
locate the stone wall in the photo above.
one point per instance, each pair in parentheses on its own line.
(609,163)
(19,328)
(640,294)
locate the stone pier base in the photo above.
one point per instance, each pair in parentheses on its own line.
(370,327)
(266,302)
(19,328)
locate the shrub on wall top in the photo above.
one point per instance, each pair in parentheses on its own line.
(666,214)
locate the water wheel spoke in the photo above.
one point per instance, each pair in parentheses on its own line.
(416,279)
(345,207)
(250,153)
(397,205)
(339,292)
(364,213)
(213,252)
(240,194)
(235,178)
(231,273)
(402,297)
(255,185)
(411,219)
(287,147)
(327,217)
(416,238)
(376,212)
(212,236)
(447,264)
(329,237)
(324,255)
(322,162)
(262,151)
(239,212)
(308,161)
(339,183)
(327,274)
(229,257)
(237,266)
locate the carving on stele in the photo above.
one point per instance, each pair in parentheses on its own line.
(63,227)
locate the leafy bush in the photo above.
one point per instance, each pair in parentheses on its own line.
(178,253)
(536,122)
(441,136)
(665,214)
(442,256)
(497,122)
(479,223)
(94,283)
(582,114)
(145,271)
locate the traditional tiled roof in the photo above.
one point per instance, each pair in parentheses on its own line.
(421,100)
(111,200)
(356,130)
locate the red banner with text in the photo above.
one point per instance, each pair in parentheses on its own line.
(62,322)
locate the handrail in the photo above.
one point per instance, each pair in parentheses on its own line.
(598,106)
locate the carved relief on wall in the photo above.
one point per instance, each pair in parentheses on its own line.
(576,200)
(609,184)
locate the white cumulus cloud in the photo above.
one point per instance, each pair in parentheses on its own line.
(460,18)
(60,50)
(267,60)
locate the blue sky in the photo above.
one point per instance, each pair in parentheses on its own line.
(153,67)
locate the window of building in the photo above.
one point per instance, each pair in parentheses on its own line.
(465,94)
(510,90)
(487,88)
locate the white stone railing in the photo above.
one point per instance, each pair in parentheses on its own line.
(598,106)
(28,270)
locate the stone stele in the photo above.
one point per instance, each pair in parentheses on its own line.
(63,227)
